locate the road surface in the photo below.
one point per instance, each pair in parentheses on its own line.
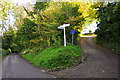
(99,63)
(14,66)
(0,68)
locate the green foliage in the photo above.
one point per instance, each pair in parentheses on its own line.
(5,5)
(3,52)
(108,34)
(30,57)
(7,39)
(37,28)
(56,58)
(40,28)
(24,35)
(65,12)
(40,5)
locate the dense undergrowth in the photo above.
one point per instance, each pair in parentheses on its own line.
(55,58)
(113,47)
(3,52)
(108,32)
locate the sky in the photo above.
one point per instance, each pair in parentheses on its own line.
(11,19)
(23,2)
(92,27)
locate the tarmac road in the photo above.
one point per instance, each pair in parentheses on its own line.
(99,63)
(13,66)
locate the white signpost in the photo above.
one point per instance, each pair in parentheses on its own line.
(63,27)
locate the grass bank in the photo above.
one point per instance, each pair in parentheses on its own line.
(55,58)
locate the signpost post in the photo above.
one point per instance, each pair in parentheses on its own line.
(63,27)
(72,32)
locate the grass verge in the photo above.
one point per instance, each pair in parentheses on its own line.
(56,58)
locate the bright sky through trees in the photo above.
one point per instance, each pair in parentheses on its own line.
(10,15)
(23,2)
(92,27)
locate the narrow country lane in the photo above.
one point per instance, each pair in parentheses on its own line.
(14,66)
(99,63)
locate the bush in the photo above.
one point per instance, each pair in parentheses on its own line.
(3,52)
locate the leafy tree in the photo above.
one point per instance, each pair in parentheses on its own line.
(5,7)
(38,28)
(7,39)
(40,5)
